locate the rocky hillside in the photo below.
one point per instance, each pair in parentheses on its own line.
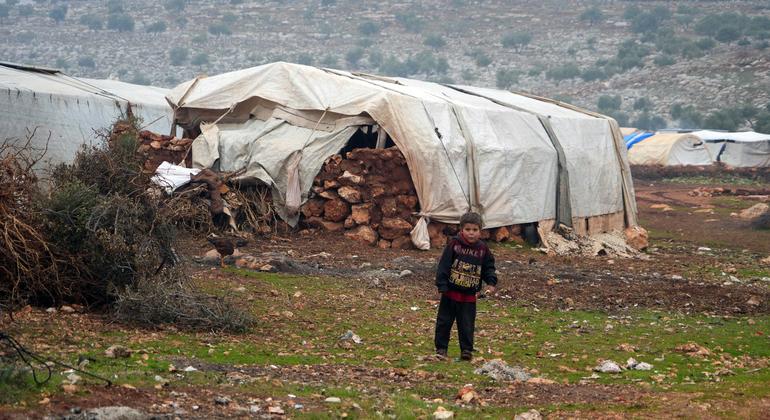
(707,61)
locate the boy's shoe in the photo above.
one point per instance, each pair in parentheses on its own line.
(441,354)
(466,355)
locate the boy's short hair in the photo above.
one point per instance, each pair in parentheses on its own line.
(470,218)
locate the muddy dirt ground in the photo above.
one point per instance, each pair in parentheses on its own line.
(702,260)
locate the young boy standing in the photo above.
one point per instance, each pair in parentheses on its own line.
(464,265)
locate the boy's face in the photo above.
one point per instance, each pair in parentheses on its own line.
(471,232)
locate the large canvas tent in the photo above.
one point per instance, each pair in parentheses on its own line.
(669,149)
(64,112)
(737,149)
(513,158)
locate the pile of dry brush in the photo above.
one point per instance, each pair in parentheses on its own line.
(101,236)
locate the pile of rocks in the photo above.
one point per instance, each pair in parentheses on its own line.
(157,148)
(370,196)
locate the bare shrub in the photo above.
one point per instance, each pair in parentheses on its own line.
(169,300)
(28,265)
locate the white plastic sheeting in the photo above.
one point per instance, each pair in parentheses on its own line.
(480,149)
(69,110)
(670,149)
(263,148)
(737,149)
(170,176)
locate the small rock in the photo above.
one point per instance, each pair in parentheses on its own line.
(466,394)
(266,267)
(498,370)
(254,409)
(692,349)
(351,336)
(117,351)
(190,369)
(754,211)
(703,249)
(211,256)
(608,366)
(115,412)
(405,273)
(51,310)
(626,347)
(541,381)
(73,378)
(677,277)
(643,366)
(274,409)
(753,301)
(442,413)
(529,415)
(221,400)
(69,388)
(67,309)
(333,400)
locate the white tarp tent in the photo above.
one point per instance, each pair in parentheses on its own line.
(737,149)
(670,149)
(515,159)
(69,110)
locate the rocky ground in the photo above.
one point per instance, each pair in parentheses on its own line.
(364,35)
(345,330)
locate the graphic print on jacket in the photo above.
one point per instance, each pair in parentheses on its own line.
(465,275)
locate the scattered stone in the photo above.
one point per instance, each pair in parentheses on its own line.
(608,366)
(67,309)
(405,273)
(677,277)
(636,237)
(69,388)
(631,363)
(442,413)
(529,415)
(692,349)
(221,400)
(466,394)
(117,351)
(190,369)
(765,260)
(211,256)
(754,211)
(333,400)
(626,347)
(754,301)
(274,409)
(541,381)
(51,310)
(498,370)
(115,413)
(351,336)
(662,207)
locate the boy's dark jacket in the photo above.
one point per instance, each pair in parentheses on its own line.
(463,267)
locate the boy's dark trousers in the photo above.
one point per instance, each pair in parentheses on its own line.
(465,314)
